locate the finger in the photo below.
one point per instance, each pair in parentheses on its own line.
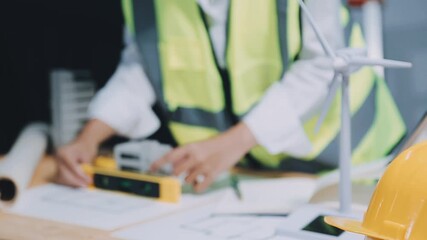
(171,157)
(201,187)
(184,165)
(194,173)
(74,167)
(66,177)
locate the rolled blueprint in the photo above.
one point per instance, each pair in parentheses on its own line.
(17,168)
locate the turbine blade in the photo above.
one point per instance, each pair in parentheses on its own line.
(364,61)
(325,45)
(329,99)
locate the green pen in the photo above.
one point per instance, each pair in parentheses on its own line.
(235,186)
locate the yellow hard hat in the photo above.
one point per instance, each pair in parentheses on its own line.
(398,208)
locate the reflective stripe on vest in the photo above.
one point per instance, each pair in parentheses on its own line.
(179,61)
(387,127)
(377,126)
(254,56)
(190,85)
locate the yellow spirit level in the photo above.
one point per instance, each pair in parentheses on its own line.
(106,176)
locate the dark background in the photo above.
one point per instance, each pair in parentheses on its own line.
(39,35)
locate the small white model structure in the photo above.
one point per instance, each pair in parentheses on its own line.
(138,156)
(344,65)
(71,93)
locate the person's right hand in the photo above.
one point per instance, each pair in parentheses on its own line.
(69,160)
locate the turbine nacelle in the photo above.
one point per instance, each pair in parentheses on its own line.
(341,64)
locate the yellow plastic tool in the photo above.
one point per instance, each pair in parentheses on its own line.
(398,208)
(106,176)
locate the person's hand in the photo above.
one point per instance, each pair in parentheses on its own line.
(69,159)
(82,150)
(203,161)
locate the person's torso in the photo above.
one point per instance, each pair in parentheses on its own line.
(198,99)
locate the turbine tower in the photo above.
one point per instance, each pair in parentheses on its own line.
(344,64)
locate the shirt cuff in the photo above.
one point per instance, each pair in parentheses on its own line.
(277,126)
(139,124)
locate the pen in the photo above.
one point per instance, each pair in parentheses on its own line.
(235,186)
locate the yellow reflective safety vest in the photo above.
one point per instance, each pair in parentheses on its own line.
(199,100)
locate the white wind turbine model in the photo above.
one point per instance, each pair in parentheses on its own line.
(344,65)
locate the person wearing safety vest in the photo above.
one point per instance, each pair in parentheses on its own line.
(233,81)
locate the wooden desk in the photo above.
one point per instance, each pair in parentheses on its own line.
(19,227)
(361,193)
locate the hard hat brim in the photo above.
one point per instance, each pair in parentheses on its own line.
(354,226)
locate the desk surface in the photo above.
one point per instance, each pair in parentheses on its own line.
(19,227)
(41,229)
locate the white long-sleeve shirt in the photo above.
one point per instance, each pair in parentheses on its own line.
(125,103)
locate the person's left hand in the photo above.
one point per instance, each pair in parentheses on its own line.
(203,161)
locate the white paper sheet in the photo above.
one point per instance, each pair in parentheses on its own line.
(268,196)
(282,195)
(98,209)
(200,224)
